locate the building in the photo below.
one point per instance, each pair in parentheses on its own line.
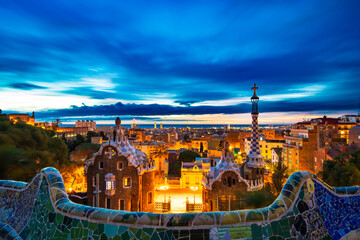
(354,136)
(242,136)
(266,145)
(276,155)
(298,150)
(28,119)
(350,118)
(138,133)
(192,173)
(96,140)
(120,176)
(147,147)
(172,138)
(272,134)
(90,124)
(224,188)
(71,132)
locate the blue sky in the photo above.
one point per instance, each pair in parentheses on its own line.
(179,61)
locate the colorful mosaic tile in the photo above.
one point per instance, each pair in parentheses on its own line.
(306,209)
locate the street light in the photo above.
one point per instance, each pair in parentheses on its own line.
(194,189)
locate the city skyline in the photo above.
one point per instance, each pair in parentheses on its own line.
(192,63)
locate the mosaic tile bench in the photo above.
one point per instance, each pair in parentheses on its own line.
(306,209)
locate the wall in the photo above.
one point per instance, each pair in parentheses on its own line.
(306,208)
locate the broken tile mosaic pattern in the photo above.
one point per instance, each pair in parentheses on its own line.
(306,209)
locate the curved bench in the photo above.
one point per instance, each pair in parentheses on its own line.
(306,207)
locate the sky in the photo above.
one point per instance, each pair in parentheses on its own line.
(179,61)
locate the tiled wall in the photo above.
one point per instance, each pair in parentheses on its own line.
(306,209)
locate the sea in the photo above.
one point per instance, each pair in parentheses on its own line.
(184,125)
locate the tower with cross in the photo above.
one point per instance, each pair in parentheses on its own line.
(255,163)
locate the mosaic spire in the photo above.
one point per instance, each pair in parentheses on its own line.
(255,158)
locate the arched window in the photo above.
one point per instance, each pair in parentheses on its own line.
(229,181)
(234,181)
(120,165)
(224,181)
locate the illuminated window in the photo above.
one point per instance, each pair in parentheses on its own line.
(110,185)
(119,165)
(150,197)
(127,182)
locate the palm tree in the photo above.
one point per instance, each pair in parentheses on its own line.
(56,124)
(160,153)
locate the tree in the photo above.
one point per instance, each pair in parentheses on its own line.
(258,199)
(279,176)
(160,153)
(102,134)
(222,144)
(55,125)
(76,142)
(343,171)
(59,150)
(186,138)
(188,156)
(91,134)
(25,149)
(84,151)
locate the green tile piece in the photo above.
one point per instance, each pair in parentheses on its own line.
(133,230)
(285,224)
(155,236)
(110,230)
(267,232)
(276,227)
(138,234)
(122,229)
(103,237)
(92,226)
(148,231)
(132,235)
(256,231)
(125,236)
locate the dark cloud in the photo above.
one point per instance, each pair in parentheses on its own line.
(185,103)
(25,86)
(157,109)
(193,52)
